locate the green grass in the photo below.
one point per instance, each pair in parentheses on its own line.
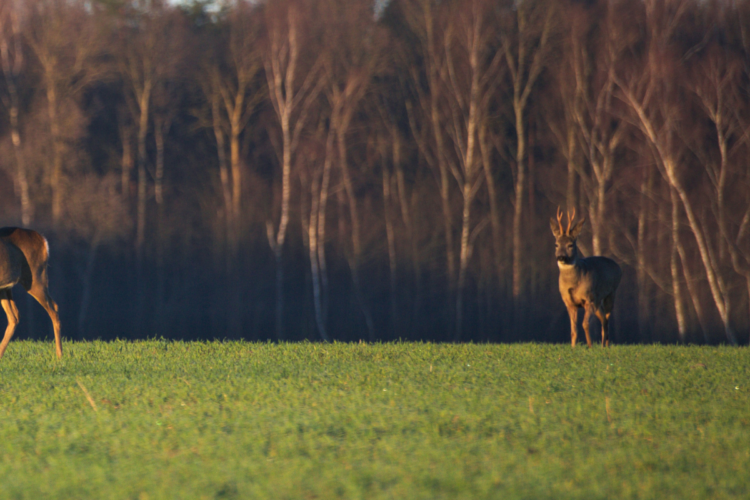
(248,420)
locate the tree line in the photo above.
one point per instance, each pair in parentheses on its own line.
(344,170)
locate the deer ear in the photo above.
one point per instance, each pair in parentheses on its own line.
(555,226)
(576,229)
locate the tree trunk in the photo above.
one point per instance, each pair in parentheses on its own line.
(469,184)
(56,174)
(159,124)
(144,101)
(714,281)
(674,268)
(642,282)
(391,246)
(599,223)
(236,180)
(10,70)
(140,239)
(436,123)
(316,233)
(694,292)
(321,238)
(463,260)
(518,253)
(234,303)
(497,250)
(312,247)
(127,160)
(570,192)
(356,242)
(406,217)
(444,198)
(280,238)
(494,208)
(279,293)
(160,127)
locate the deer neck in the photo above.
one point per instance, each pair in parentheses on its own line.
(571,268)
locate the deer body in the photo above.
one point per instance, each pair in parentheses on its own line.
(23,259)
(588,283)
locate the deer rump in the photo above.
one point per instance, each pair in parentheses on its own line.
(23,259)
(20,249)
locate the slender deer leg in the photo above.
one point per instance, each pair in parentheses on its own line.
(573,313)
(604,319)
(589,308)
(11,311)
(607,305)
(40,293)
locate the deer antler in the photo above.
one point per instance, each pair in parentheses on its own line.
(570,220)
(559,219)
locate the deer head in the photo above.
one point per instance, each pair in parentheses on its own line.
(566,250)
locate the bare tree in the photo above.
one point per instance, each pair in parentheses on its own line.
(650,94)
(563,125)
(600,131)
(389,197)
(125,132)
(12,58)
(526,47)
(64,41)
(292,89)
(471,79)
(399,197)
(232,85)
(163,116)
(351,57)
(716,82)
(317,176)
(148,39)
(427,119)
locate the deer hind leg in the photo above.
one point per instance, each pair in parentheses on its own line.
(11,311)
(40,292)
(604,319)
(589,308)
(573,313)
(607,305)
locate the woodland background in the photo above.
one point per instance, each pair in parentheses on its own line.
(338,169)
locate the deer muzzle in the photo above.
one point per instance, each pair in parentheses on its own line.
(564,259)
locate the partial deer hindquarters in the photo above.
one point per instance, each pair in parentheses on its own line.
(23,258)
(589,283)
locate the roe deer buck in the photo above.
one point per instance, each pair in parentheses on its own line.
(23,258)
(584,282)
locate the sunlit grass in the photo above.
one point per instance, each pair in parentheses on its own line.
(245,420)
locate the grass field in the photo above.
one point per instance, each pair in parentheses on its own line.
(150,420)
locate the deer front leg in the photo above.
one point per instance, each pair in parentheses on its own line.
(573,313)
(11,311)
(589,308)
